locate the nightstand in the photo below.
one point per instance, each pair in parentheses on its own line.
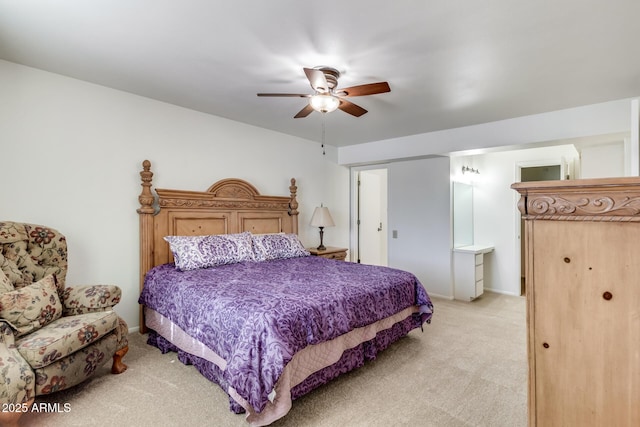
(330,252)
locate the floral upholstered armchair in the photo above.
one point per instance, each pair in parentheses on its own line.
(52,337)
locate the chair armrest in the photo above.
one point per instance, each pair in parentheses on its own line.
(17,379)
(86,299)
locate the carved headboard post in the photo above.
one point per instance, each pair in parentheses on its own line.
(146,212)
(293,204)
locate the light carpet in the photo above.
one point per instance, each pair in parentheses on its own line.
(468,368)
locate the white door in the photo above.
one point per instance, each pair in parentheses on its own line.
(372,217)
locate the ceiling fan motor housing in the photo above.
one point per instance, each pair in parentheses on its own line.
(331,75)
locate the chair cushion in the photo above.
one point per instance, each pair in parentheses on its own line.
(10,255)
(65,336)
(29,252)
(32,307)
(11,232)
(17,381)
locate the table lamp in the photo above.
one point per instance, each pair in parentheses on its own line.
(321,218)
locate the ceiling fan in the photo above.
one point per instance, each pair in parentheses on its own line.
(327,98)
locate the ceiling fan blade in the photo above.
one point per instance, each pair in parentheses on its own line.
(317,79)
(304,112)
(368,89)
(297,95)
(351,108)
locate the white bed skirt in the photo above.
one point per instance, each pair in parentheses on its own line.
(304,363)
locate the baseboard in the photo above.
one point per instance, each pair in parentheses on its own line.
(498,291)
(134,329)
(449,297)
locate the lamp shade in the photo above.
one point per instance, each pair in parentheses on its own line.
(324,103)
(321,217)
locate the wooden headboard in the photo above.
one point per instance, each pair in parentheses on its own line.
(228,206)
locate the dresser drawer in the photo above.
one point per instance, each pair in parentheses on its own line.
(336,255)
(329,252)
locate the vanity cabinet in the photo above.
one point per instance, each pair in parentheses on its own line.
(582,272)
(468,262)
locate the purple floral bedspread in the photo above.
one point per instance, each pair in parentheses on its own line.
(257,315)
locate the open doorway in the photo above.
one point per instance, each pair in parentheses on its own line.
(539,171)
(371,216)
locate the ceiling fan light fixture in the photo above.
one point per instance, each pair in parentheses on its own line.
(325,98)
(324,103)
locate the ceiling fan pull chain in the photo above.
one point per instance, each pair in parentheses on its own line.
(323,134)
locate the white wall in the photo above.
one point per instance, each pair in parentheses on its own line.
(603,160)
(496,218)
(495,214)
(597,119)
(71,152)
(419,195)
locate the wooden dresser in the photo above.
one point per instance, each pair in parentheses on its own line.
(582,274)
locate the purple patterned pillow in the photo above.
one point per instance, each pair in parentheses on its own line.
(193,252)
(276,246)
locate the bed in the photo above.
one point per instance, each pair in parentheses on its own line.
(226,284)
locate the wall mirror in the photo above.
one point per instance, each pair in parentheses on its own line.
(462,214)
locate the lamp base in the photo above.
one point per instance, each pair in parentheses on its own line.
(321,247)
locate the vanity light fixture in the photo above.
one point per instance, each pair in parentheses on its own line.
(470,170)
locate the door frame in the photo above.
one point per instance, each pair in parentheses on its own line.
(354,254)
(564,174)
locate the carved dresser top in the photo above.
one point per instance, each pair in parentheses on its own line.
(605,199)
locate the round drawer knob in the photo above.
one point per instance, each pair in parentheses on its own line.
(607,295)
(545,345)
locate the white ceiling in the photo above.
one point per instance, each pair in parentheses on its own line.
(449,63)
